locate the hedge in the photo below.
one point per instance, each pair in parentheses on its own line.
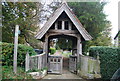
(109,59)
(8,51)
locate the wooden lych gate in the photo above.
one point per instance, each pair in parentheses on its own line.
(63,23)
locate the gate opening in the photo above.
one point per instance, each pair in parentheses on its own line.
(62,54)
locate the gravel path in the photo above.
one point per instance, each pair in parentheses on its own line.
(65,75)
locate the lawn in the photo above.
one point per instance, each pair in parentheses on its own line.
(66,54)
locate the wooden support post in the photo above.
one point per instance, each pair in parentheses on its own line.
(70,26)
(79,48)
(63,25)
(15,49)
(44,46)
(56,27)
(27,60)
(46,49)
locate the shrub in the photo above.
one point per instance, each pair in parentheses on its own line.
(109,59)
(52,50)
(7,73)
(8,51)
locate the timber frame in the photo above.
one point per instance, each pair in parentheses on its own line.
(63,23)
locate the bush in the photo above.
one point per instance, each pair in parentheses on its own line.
(52,50)
(8,51)
(109,59)
(7,73)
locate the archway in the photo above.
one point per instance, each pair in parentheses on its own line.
(68,62)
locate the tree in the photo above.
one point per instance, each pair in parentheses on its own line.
(93,18)
(24,14)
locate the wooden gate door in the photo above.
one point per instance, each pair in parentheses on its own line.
(73,64)
(55,64)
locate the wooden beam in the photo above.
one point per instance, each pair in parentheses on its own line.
(64,31)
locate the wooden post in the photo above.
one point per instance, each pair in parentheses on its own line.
(39,62)
(46,50)
(79,49)
(15,49)
(27,60)
(70,26)
(56,26)
(63,26)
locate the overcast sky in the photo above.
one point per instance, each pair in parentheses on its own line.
(111,9)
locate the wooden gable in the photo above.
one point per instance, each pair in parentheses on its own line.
(64,9)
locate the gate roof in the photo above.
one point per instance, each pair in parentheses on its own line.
(64,8)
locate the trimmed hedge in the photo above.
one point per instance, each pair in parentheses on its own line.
(109,59)
(8,51)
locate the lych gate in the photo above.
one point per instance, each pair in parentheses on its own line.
(63,23)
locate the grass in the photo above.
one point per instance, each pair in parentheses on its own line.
(7,73)
(66,54)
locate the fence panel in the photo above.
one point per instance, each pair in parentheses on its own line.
(35,62)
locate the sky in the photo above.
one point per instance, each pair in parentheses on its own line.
(111,9)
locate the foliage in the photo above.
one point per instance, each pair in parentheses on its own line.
(8,51)
(66,54)
(7,73)
(64,43)
(52,50)
(109,59)
(24,14)
(37,70)
(93,18)
(33,70)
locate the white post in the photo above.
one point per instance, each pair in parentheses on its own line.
(63,26)
(15,49)
(56,26)
(70,26)
(39,62)
(27,60)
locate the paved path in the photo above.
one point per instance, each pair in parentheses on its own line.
(65,75)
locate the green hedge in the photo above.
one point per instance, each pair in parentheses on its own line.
(52,50)
(8,51)
(109,59)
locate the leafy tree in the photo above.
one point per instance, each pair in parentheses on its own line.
(25,14)
(93,18)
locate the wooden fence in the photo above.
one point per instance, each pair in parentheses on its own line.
(35,62)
